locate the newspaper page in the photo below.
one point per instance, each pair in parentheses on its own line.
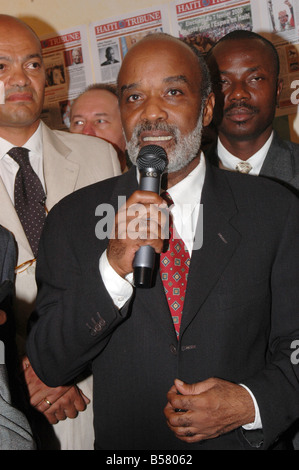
(204,22)
(112,38)
(281,27)
(68,72)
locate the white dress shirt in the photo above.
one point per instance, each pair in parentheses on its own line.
(9,167)
(186,196)
(229,161)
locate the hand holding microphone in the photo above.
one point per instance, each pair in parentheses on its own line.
(151,162)
(135,249)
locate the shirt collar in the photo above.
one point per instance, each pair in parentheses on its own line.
(33,144)
(229,161)
(188,191)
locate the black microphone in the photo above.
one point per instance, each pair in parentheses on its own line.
(151,162)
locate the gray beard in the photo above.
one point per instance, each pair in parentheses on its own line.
(186,148)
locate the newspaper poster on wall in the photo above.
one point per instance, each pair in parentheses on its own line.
(112,38)
(281,27)
(204,22)
(68,72)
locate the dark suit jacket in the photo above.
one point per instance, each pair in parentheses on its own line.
(281,163)
(240,314)
(7,267)
(7,263)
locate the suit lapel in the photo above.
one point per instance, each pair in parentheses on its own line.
(211,154)
(60,173)
(220,240)
(278,163)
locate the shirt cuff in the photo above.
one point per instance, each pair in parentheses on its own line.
(257,423)
(119,289)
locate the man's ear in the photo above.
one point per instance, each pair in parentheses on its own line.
(279,90)
(208,110)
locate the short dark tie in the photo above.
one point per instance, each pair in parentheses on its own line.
(29,197)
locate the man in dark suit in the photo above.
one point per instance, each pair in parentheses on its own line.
(245,73)
(225,378)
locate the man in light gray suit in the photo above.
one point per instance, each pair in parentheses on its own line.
(63,162)
(15,432)
(245,72)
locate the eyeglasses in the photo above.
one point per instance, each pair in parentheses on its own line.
(22,267)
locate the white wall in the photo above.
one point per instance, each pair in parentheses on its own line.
(46,16)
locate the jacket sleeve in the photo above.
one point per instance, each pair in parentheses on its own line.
(276,387)
(74,315)
(8,262)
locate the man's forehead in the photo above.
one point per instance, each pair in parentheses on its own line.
(171,64)
(20,40)
(243,47)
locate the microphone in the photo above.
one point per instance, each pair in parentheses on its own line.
(151,162)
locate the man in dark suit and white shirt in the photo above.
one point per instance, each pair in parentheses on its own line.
(245,74)
(224,375)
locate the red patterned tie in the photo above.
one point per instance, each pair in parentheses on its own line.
(174,268)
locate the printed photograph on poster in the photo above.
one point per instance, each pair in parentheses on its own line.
(108,55)
(282,15)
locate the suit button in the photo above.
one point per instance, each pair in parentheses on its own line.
(173,349)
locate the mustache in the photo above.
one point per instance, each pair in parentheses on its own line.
(18,89)
(148,126)
(241,104)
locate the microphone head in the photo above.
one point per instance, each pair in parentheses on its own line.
(152,156)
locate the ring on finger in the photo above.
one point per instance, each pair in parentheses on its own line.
(47,401)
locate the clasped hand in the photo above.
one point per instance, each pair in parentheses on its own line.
(207,409)
(56,403)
